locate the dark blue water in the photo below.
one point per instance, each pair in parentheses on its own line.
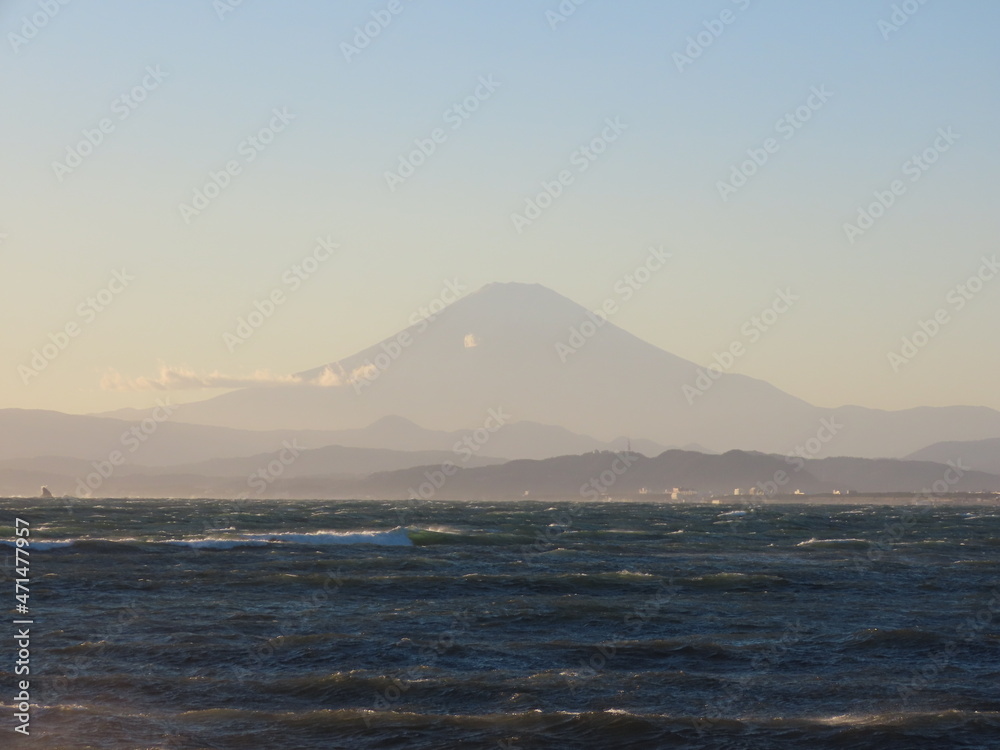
(213,624)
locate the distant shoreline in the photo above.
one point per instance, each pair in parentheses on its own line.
(971,499)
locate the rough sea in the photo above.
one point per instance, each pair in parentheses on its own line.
(499,626)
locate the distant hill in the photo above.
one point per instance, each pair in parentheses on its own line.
(336,472)
(228,476)
(978,454)
(27,433)
(513,440)
(331,459)
(30,433)
(569,476)
(895,475)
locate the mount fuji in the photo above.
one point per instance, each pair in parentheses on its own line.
(538,356)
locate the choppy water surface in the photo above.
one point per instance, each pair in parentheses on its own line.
(215,624)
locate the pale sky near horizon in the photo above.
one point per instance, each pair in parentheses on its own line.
(64,233)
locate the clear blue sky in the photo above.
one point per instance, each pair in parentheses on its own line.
(324,174)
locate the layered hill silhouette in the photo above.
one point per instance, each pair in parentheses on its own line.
(190,460)
(983,455)
(330,466)
(543,358)
(335,472)
(607,474)
(31,433)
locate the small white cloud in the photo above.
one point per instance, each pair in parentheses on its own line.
(183,378)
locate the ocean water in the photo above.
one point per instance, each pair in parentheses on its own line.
(294,624)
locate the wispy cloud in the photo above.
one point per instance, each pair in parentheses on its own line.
(182,378)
